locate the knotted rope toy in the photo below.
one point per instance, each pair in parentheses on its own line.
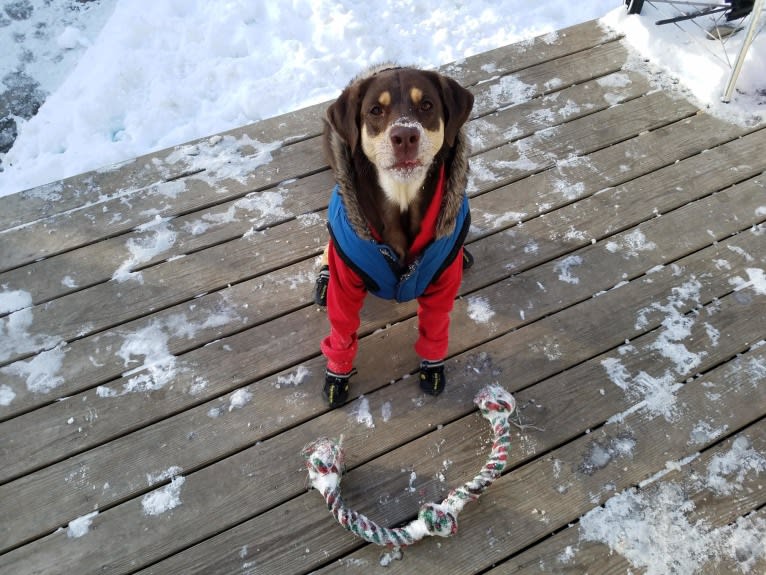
(324,461)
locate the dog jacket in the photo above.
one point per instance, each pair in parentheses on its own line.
(377,264)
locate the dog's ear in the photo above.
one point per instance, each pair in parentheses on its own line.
(457,105)
(343,115)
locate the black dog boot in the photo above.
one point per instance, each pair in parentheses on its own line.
(336,387)
(320,286)
(432,379)
(467,259)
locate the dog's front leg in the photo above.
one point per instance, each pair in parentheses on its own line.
(345,297)
(434,309)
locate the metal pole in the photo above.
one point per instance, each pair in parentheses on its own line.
(755,15)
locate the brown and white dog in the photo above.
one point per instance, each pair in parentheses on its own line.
(399,215)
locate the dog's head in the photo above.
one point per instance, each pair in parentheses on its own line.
(401,118)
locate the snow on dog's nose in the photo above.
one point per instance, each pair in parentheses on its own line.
(405,140)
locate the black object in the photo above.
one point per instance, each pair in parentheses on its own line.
(432,379)
(336,387)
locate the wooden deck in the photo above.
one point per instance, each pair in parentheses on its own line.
(162,371)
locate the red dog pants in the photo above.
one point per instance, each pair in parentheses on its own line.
(345,296)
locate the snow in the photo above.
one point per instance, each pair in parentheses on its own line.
(689,58)
(386,411)
(146,355)
(267,204)
(740,460)
(654,527)
(479,309)
(655,395)
(756,280)
(190,69)
(143,248)
(239,399)
(564,269)
(169,473)
(15,337)
(361,412)
(388,557)
(80,526)
(41,371)
(163,499)
(14,300)
(631,244)
(157,368)
(294,379)
(7,395)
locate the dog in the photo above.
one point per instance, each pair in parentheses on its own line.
(398,214)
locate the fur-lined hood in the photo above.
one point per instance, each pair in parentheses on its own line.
(455,163)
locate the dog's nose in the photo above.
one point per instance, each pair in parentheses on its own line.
(404,139)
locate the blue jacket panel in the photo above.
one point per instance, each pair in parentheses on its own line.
(376,263)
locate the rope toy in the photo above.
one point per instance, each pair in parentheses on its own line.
(325,464)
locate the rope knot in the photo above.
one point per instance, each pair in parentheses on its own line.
(438,520)
(323,457)
(493,398)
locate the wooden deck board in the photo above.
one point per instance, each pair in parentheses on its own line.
(605,212)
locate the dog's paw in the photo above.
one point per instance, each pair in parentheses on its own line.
(432,379)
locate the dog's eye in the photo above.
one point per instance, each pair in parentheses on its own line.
(376,110)
(426,105)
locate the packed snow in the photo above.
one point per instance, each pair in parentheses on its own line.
(165,498)
(479,309)
(361,412)
(80,526)
(116,80)
(655,529)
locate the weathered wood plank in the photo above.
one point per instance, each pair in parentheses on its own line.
(547,237)
(235,168)
(526,85)
(568,552)
(510,303)
(528,117)
(165,239)
(88,362)
(520,55)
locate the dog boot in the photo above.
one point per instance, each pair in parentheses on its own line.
(320,287)
(336,387)
(467,259)
(432,379)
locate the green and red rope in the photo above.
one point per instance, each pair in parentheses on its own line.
(325,464)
